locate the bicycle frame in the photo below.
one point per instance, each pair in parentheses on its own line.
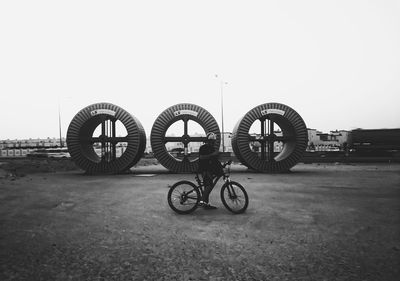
(225,176)
(201,184)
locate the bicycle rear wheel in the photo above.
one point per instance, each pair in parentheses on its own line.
(234,197)
(183,197)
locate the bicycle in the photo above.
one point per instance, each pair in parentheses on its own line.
(184,196)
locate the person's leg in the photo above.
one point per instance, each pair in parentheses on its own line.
(207,180)
(208,186)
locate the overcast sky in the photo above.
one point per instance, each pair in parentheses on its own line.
(337,63)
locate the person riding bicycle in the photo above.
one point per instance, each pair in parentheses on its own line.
(209,166)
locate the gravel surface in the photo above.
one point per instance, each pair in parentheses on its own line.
(318,222)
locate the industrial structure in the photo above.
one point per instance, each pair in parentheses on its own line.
(293,138)
(271,137)
(102,117)
(181,113)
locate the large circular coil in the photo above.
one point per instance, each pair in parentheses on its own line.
(176,113)
(98,154)
(292,138)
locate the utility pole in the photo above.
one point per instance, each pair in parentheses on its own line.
(60,99)
(59,124)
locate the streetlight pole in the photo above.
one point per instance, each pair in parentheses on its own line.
(222,83)
(222,116)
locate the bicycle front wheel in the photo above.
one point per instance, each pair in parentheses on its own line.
(183,197)
(234,197)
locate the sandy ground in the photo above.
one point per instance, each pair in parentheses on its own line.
(319,222)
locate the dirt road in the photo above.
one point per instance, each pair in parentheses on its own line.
(319,222)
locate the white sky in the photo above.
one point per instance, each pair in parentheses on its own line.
(337,63)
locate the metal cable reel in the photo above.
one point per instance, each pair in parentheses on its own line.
(185,112)
(270,149)
(95,144)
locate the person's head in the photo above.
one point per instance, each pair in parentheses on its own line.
(211,137)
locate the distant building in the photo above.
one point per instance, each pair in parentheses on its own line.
(317,141)
(335,140)
(20,148)
(256,146)
(31,143)
(227,143)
